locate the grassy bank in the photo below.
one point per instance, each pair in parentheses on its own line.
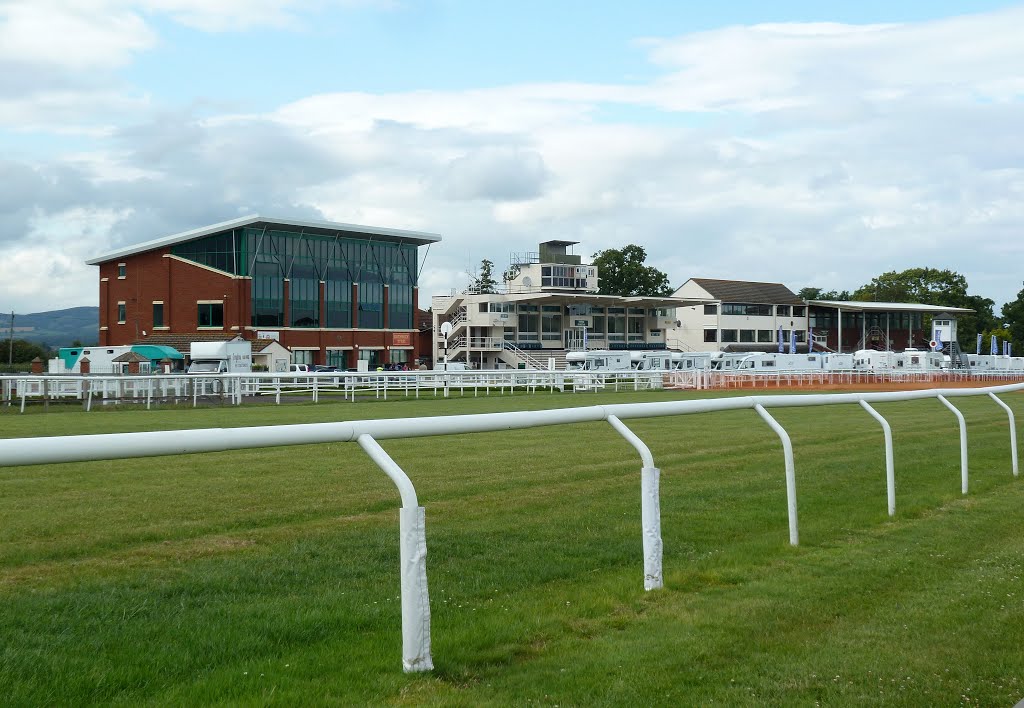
(272,575)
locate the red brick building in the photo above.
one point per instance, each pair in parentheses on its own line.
(332,293)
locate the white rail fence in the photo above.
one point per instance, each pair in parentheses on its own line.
(235,388)
(416,652)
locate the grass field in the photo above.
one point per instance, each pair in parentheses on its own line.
(271,576)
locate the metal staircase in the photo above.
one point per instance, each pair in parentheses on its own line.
(875,338)
(957,359)
(513,356)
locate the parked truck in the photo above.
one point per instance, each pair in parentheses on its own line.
(231,357)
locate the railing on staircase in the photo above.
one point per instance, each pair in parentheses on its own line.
(875,338)
(531,362)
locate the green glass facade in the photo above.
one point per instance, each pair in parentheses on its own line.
(305,260)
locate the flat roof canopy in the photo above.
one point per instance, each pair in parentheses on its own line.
(320,228)
(648,301)
(856,306)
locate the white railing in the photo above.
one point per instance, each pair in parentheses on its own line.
(235,389)
(416,653)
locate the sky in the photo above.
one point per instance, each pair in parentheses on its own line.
(808,143)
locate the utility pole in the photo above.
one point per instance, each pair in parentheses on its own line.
(10,343)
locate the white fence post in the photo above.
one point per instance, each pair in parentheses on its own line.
(413,555)
(787,452)
(890,467)
(650,507)
(963,441)
(1013,432)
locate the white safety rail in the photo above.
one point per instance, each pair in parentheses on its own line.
(713,379)
(416,654)
(236,388)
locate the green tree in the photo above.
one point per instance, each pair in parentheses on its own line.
(622,272)
(23,351)
(932,286)
(810,293)
(483,281)
(1013,315)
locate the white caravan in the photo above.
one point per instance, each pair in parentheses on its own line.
(837,362)
(670,361)
(599,360)
(773,361)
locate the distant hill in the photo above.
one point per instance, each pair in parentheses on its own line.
(57,328)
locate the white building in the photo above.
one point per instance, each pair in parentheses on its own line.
(548,305)
(737,315)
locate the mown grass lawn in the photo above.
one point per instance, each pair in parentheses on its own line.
(271,576)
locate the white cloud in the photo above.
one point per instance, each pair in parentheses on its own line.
(816,154)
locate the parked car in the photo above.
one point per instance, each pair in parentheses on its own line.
(299,368)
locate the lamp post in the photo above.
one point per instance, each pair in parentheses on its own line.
(446,330)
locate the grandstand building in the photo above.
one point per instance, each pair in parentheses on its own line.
(547,306)
(331,293)
(738,316)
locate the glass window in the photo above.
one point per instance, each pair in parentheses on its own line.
(211,314)
(598,324)
(637,311)
(783,310)
(122,314)
(746,335)
(338,303)
(122,270)
(371,305)
(710,310)
(710,335)
(765,335)
(799,311)
(551,326)
(729,335)
(304,295)
(158,314)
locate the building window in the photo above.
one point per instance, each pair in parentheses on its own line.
(746,335)
(739,308)
(158,314)
(336,357)
(729,335)
(211,314)
(338,303)
(122,314)
(711,309)
(782,310)
(710,335)
(303,356)
(551,326)
(399,356)
(122,270)
(799,311)
(765,335)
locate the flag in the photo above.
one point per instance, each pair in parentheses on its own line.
(810,339)
(781,347)
(992,349)
(938,341)
(792,341)
(979,344)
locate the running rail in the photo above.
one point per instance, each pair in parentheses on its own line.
(416,655)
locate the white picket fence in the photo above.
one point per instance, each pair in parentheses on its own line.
(416,651)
